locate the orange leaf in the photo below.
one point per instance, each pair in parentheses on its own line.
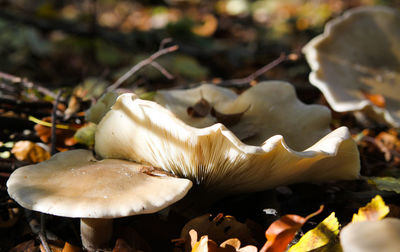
(65,137)
(54,248)
(209,26)
(71,248)
(376,99)
(29,151)
(281,232)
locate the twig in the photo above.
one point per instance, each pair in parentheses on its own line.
(141,64)
(243,82)
(53,125)
(162,70)
(26,83)
(44,242)
(164,42)
(42,232)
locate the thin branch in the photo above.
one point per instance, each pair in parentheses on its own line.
(44,242)
(164,42)
(140,65)
(53,125)
(26,83)
(243,82)
(162,70)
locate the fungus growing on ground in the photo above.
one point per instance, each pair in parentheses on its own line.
(356,62)
(75,184)
(370,236)
(294,140)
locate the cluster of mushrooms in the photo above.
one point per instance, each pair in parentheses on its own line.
(153,151)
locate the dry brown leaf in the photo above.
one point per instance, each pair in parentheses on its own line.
(122,246)
(200,109)
(11,219)
(281,232)
(30,152)
(389,144)
(74,105)
(28,246)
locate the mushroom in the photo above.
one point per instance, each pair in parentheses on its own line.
(75,184)
(356,62)
(146,132)
(370,236)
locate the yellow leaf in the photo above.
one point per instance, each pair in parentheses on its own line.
(374,210)
(323,237)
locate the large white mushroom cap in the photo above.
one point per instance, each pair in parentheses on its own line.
(357,56)
(75,184)
(213,156)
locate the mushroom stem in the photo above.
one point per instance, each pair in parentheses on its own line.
(96,233)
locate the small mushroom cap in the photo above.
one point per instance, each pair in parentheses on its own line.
(75,184)
(146,132)
(359,55)
(371,236)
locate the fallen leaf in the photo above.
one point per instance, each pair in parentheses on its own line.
(376,99)
(207,245)
(29,151)
(389,144)
(374,210)
(85,135)
(64,136)
(209,26)
(200,109)
(386,183)
(281,232)
(68,247)
(74,105)
(28,246)
(122,246)
(9,220)
(323,237)
(54,248)
(219,229)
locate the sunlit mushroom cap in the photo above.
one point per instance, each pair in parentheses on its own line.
(356,62)
(371,236)
(146,132)
(75,184)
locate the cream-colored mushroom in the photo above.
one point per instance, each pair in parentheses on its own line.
(371,236)
(213,156)
(357,56)
(75,184)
